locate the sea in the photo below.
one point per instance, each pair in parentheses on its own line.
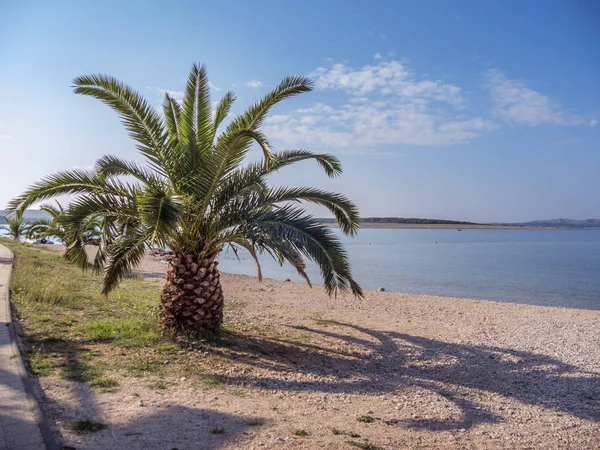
(539,267)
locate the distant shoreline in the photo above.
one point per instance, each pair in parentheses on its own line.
(384,225)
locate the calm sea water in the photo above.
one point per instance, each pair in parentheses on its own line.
(541,267)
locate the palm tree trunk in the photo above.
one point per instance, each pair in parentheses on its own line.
(192,298)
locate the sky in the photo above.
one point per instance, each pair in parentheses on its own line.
(465,110)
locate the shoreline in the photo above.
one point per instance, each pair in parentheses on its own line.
(389,226)
(152,269)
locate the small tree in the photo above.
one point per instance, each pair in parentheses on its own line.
(17,226)
(195,196)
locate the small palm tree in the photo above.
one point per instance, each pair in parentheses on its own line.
(45,228)
(17,226)
(58,226)
(195,197)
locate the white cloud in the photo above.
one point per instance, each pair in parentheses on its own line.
(254,83)
(382,104)
(215,88)
(387,78)
(5,136)
(177,95)
(515,103)
(377,56)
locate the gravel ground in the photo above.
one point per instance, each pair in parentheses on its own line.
(424,371)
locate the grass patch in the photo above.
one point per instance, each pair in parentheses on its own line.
(126,332)
(363,445)
(344,433)
(167,348)
(217,430)
(88,356)
(160,384)
(142,366)
(40,365)
(105,384)
(366,419)
(80,372)
(87,426)
(209,381)
(301,433)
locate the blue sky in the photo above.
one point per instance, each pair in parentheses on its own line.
(484,111)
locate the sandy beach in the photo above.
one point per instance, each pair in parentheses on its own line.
(430,372)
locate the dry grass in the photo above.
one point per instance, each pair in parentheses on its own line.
(73,332)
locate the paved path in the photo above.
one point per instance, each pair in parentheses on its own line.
(19,414)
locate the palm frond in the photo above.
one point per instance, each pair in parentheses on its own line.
(329,163)
(172,112)
(160,212)
(61,183)
(254,116)
(311,238)
(345,212)
(112,165)
(123,254)
(140,119)
(196,119)
(223,109)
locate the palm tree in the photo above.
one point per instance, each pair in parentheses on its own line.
(45,228)
(58,226)
(196,197)
(17,226)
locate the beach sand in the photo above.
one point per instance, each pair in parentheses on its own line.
(432,372)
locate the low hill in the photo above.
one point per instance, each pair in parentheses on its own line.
(30,214)
(406,220)
(558,223)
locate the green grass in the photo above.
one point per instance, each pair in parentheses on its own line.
(160,384)
(88,356)
(366,419)
(72,331)
(81,372)
(40,364)
(68,325)
(87,426)
(363,445)
(142,366)
(300,433)
(209,381)
(105,384)
(344,433)
(126,332)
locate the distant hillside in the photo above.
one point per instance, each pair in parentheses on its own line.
(406,220)
(30,214)
(559,223)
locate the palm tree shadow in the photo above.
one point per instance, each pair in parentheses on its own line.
(378,362)
(174,427)
(182,428)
